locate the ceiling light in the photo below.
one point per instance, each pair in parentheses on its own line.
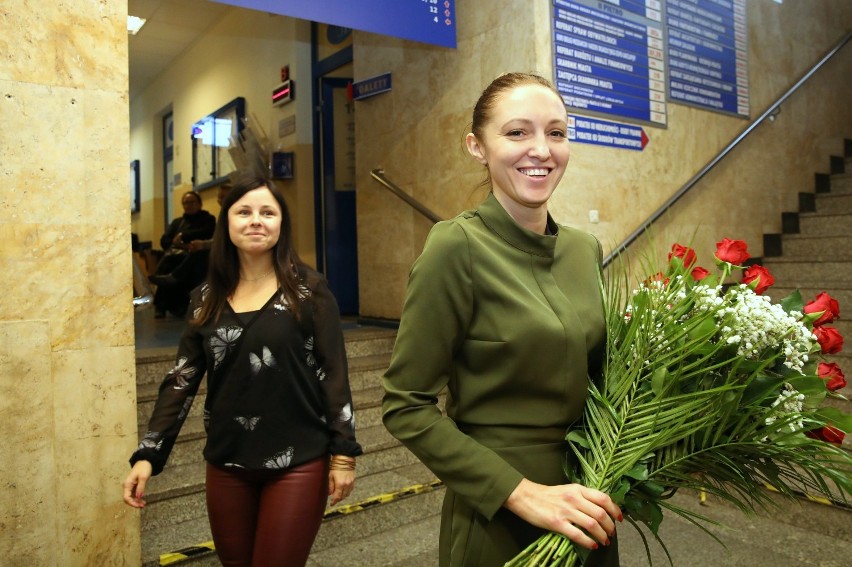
(134,24)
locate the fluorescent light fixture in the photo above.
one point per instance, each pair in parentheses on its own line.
(134,24)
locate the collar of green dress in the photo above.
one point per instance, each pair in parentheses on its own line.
(497,219)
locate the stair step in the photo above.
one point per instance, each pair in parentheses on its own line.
(825,224)
(175,537)
(834,202)
(805,272)
(816,247)
(355,527)
(411,545)
(146,397)
(842,182)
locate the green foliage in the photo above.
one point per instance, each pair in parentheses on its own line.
(681,407)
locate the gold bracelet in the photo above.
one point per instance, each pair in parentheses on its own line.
(342,463)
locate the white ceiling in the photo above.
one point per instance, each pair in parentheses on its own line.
(172,26)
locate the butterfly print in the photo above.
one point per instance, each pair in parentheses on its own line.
(309,352)
(151,441)
(345,414)
(248,423)
(204,291)
(265,359)
(187,404)
(281,304)
(280,460)
(182,374)
(223,341)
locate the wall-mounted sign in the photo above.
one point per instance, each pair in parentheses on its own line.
(708,54)
(609,58)
(428,21)
(287,126)
(371,87)
(283,93)
(606,133)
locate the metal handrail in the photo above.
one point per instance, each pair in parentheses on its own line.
(379,175)
(697,177)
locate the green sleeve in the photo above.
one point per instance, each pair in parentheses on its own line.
(438,309)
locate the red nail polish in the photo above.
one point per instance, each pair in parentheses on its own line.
(595,546)
(621,517)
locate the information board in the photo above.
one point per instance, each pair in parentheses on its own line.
(707,54)
(609,58)
(427,21)
(605,133)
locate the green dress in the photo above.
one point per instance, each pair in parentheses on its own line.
(512,323)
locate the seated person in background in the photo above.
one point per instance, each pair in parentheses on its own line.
(193,269)
(194,224)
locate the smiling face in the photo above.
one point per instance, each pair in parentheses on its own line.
(254,222)
(524,144)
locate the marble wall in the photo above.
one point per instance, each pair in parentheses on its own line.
(67,378)
(416,131)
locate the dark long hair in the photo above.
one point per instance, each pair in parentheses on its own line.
(223,273)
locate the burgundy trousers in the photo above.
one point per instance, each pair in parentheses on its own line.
(266,518)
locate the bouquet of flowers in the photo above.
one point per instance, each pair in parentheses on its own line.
(708,385)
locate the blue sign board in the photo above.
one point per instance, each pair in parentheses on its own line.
(707,54)
(609,58)
(427,21)
(370,87)
(605,133)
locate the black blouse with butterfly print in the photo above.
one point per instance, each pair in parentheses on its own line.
(277,387)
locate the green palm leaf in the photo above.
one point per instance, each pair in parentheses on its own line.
(681,406)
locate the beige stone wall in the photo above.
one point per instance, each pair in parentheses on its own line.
(67,395)
(416,132)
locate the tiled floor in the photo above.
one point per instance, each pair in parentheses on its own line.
(157,333)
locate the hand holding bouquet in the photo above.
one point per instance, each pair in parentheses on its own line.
(708,386)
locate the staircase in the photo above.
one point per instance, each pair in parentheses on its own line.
(814,254)
(391,518)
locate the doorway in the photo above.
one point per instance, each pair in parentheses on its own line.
(337,238)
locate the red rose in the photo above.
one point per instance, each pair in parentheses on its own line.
(684,253)
(732,251)
(830,340)
(833,376)
(828,434)
(825,303)
(699,273)
(760,277)
(658,277)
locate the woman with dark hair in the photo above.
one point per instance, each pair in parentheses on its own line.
(278,414)
(503,309)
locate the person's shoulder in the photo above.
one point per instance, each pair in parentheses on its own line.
(455,228)
(573,233)
(311,278)
(574,237)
